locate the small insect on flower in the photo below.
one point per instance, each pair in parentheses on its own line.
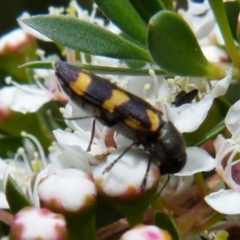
(126,114)
(183,97)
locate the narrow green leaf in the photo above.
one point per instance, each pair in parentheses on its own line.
(147,9)
(164,221)
(232,11)
(15,197)
(37,64)
(212,133)
(99,69)
(174,47)
(220,15)
(123,14)
(86,37)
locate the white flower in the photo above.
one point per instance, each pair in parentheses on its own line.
(24,166)
(19,94)
(13,41)
(228,166)
(188,117)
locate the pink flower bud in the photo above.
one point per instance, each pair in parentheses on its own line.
(32,223)
(141,232)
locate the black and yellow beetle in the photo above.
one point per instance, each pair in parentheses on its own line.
(127,114)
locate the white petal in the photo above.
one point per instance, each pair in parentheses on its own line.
(40,176)
(136,86)
(198,160)
(232,119)
(196,8)
(222,85)
(6,97)
(128,172)
(22,95)
(68,139)
(206,27)
(214,53)
(192,115)
(78,138)
(225,201)
(73,110)
(122,141)
(75,158)
(200,18)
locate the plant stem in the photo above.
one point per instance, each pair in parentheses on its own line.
(218,9)
(209,222)
(201,184)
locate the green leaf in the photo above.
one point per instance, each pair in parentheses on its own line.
(123,14)
(163,221)
(174,47)
(232,11)
(15,197)
(84,36)
(206,131)
(212,133)
(11,57)
(9,145)
(147,9)
(99,69)
(32,123)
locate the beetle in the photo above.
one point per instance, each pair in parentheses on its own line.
(127,114)
(184,97)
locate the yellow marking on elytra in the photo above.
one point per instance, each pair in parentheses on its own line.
(117,98)
(154,119)
(135,124)
(81,84)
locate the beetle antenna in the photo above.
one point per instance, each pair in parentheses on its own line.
(164,185)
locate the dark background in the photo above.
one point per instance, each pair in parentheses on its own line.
(10,10)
